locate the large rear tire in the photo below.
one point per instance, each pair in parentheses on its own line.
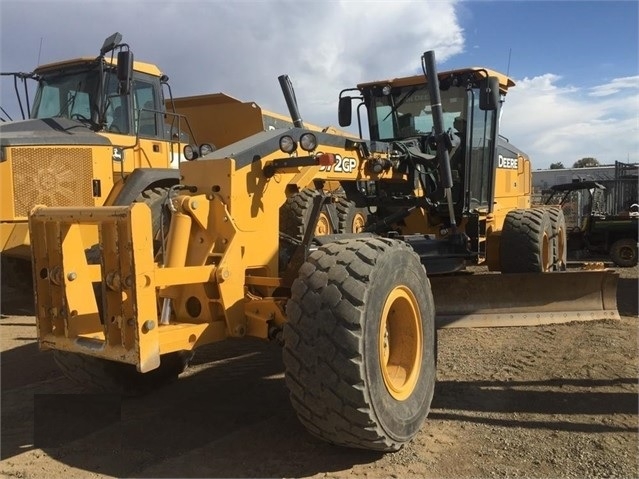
(360,344)
(351,218)
(101,375)
(559,239)
(295,215)
(525,245)
(623,252)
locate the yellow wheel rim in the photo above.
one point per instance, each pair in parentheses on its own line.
(323,225)
(400,343)
(546,253)
(561,246)
(359,222)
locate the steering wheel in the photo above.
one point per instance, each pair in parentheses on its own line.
(79,116)
(114,128)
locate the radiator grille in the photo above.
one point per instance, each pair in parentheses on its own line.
(58,176)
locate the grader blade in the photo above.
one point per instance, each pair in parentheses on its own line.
(527,299)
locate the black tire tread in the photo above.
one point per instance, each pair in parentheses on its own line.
(323,362)
(295,212)
(615,250)
(520,246)
(155,198)
(346,211)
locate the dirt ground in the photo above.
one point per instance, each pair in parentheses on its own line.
(551,401)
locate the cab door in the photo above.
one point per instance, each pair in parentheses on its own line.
(480,145)
(153,148)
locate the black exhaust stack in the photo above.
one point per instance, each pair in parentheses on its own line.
(291,101)
(428,62)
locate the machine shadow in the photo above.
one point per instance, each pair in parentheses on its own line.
(552,398)
(235,404)
(16,301)
(627,296)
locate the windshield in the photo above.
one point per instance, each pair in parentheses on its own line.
(406,112)
(70,94)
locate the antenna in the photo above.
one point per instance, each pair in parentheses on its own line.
(39,51)
(510,51)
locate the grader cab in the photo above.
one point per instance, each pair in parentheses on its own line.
(356,311)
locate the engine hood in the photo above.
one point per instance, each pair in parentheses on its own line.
(49,131)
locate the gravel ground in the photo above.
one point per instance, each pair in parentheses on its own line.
(555,401)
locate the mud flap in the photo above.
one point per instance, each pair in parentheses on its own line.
(527,299)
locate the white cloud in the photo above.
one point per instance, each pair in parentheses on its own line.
(241,47)
(615,86)
(555,123)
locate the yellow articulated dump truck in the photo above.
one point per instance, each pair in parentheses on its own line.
(97,134)
(435,189)
(101,131)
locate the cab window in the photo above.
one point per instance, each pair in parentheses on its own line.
(145,109)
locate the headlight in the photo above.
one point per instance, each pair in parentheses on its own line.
(386,90)
(190,152)
(287,144)
(206,148)
(308,142)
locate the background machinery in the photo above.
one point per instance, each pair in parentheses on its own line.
(356,311)
(592,228)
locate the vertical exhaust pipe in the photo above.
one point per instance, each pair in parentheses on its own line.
(291,101)
(428,62)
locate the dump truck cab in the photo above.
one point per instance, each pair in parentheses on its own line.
(97,133)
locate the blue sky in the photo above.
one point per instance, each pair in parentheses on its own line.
(576,63)
(582,40)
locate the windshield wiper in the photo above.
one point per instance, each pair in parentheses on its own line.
(70,102)
(401,101)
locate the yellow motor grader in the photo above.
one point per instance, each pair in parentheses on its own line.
(434,190)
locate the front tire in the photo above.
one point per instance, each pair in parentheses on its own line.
(359,345)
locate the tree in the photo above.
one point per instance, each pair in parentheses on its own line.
(587,162)
(557,166)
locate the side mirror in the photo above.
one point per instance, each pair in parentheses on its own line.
(489,93)
(344,111)
(125,70)
(110,43)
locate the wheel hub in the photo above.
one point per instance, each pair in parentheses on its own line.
(400,343)
(323,226)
